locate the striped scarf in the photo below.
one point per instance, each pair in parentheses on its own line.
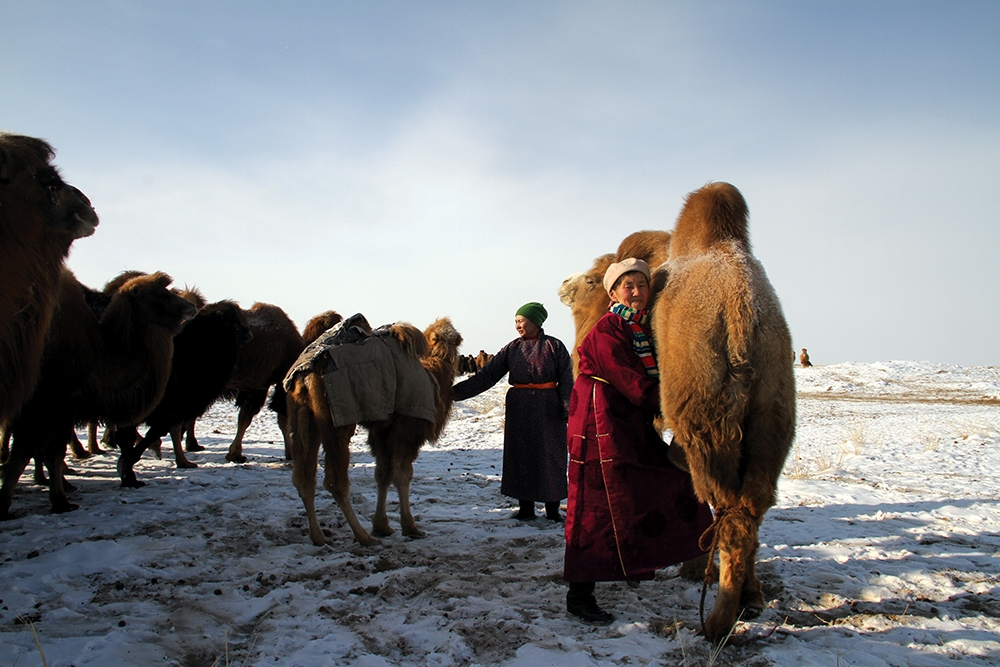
(640,342)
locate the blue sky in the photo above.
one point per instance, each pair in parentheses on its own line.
(411,160)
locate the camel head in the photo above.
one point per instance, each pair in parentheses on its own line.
(148,299)
(34,194)
(443,340)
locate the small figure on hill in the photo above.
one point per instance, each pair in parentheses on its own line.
(804,359)
(534,439)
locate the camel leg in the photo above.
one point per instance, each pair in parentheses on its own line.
(694,569)
(191,442)
(176,437)
(39,477)
(12,469)
(4,443)
(737,532)
(752,601)
(131,452)
(92,445)
(404,475)
(379,442)
(304,464)
(337,482)
(55,453)
(283,426)
(250,403)
(79,452)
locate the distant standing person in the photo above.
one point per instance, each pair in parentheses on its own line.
(534,436)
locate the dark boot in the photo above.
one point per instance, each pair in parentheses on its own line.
(552,512)
(581,603)
(526,511)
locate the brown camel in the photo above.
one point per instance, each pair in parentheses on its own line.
(263,362)
(395,442)
(40,217)
(726,384)
(113,369)
(320,323)
(584,293)
(804,359)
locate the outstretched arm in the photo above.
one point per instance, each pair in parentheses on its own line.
(487,376)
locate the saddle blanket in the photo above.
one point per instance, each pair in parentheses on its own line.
(368,377)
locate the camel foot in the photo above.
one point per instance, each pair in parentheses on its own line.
(414,532)
(68,486)
(752,605)
(381,531)
(186,464)
(194,447)
(63,507)
(132,483)
(82,455)
(236,458)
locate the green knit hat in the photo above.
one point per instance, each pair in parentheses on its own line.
(534,312)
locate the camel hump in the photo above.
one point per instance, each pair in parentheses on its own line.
(713,214)
(411,340)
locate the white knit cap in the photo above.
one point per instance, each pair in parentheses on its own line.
(617,269)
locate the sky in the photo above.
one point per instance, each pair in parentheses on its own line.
(414,160)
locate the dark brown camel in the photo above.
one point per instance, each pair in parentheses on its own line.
(113,369)
(40,217)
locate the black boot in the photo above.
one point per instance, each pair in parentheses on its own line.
(526,511)
(581,603)
(552,512)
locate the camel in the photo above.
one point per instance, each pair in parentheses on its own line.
(584,293)
(727,389)
(205,353)
(263,362)
(804,359)
(40,217)
(395,441)
(98,302)
(113,369)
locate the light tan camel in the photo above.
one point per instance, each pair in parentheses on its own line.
(395,442)
(726,384)
(584,293)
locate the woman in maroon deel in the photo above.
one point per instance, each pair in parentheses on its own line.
(629,511)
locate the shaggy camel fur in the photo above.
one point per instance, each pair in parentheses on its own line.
(40,217)
(320,323)
(395,442)
(726,385)
(584,293)
(263,362)
(205,353)
(98,302)
(113,370)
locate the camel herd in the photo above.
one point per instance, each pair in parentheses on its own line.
(137,352)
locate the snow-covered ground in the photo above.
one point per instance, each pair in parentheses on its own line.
(884,549)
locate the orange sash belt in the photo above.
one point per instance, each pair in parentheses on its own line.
(542,385)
